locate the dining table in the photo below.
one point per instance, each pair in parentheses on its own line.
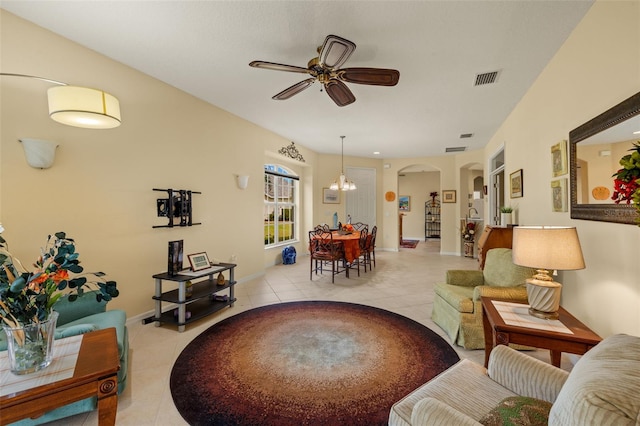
(351,242)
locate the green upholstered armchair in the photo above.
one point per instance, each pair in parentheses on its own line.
(457,308)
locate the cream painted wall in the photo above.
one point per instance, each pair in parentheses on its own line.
(99,190)
(597,67)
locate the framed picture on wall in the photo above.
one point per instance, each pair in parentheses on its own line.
(559,158)
(449,196)
(559,195)
(404,203)
(330,196)
(516,184)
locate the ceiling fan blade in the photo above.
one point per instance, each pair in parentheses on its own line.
(294,90)
(335,51)
(339,92)
(372,76)
(278,67)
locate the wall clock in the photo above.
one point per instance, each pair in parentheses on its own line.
(390,196)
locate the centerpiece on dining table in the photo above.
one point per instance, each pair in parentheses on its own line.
(27,299)
(346,229)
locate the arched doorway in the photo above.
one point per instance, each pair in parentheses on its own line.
(472,207)
(417,219)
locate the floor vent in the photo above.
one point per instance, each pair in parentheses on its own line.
(455,149)
(486,78)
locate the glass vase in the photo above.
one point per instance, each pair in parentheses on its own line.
(30,347)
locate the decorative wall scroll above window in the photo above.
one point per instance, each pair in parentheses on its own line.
(176,208)
(292,152)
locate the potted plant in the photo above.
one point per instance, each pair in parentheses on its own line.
(27,298)
(626,185)
(506,215)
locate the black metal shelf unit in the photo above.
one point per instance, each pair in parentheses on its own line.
(200,303)
(432,219)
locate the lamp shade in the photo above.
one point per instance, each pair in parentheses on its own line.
(547,247)
(83,107)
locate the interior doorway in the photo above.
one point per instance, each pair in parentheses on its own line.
(496,189)
(418,203)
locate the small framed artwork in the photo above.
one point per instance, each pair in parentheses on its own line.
(559,195)
(559,158)
(198,261)
(404,203)
(449,196)
(330,196)
(516,184)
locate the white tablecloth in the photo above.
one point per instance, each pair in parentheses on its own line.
(65,355)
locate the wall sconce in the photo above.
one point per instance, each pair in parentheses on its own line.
(39,153)
(80,106)
(242,181)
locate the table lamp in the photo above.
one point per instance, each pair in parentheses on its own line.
(546,248)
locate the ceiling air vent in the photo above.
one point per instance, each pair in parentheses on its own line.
(455,149)
(466,135)
(486,78)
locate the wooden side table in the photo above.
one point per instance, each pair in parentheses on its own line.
(95,374)
(498,332)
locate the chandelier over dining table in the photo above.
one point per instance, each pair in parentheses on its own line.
(342,183)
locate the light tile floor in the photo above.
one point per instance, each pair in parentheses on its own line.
(401,282)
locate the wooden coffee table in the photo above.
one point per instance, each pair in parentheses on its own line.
(578,340)
(95,374)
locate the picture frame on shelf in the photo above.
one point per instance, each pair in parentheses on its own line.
(198,261)
(330,196)
(559,162)
(449,196)
(516,184)
(404,203)
(559,195)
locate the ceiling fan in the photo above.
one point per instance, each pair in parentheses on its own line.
(325,68)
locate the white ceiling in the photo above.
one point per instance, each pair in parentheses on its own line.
(204,48)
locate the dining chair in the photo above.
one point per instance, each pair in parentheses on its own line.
(323,227)
(324,250)
(359,226)
(371,249)
(361,259)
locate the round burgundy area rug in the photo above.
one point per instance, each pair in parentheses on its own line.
(305,363)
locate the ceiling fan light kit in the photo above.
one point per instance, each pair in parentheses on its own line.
(325,68)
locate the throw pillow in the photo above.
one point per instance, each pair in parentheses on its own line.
(518,411)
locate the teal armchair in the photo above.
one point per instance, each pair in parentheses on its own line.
(457,308)
(81,316)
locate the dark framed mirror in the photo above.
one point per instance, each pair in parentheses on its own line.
(595,149)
